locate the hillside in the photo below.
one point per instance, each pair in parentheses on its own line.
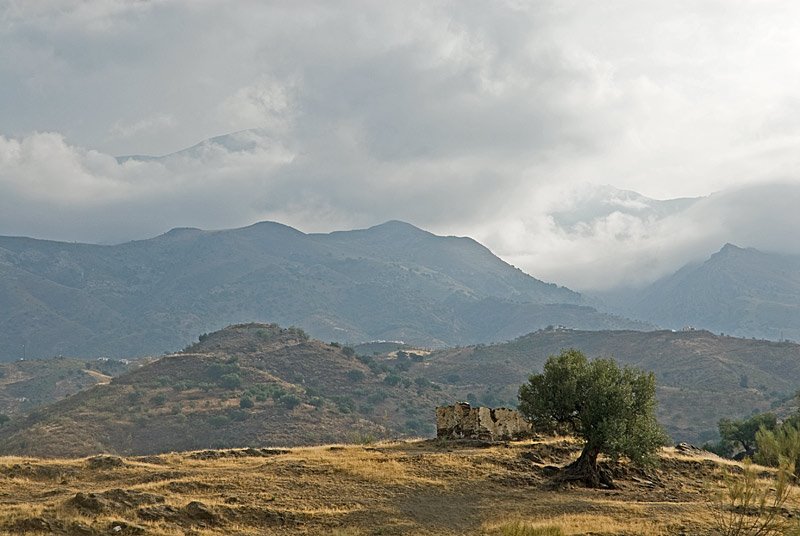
(390,282)
(411,488)
(246,385)
(701,377)
(743,292)
(28,384)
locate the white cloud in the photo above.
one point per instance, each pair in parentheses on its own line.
(127,129)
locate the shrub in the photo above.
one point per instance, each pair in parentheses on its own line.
(355,375)
(158,399)
(230,381)
(392,379)
(218,421)
(246,402)
(749,507)
(349,352)
(290,401)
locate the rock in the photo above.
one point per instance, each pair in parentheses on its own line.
(104,462)
(532,456)
(115,499)
(159,512)
(461,421)
(124,528)
(197,511)
(89,503)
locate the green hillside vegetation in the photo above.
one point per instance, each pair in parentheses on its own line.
(247,385)
(28,384)
(390,282)
(700,377)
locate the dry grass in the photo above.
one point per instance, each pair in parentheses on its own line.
(418,487)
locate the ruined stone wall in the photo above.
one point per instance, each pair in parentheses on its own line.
(461,421)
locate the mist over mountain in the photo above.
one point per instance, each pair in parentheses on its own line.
(738,291)
(392,281)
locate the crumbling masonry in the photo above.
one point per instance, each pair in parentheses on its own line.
(462,421)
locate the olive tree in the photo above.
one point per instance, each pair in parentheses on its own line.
(611,408)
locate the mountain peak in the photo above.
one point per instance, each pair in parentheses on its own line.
(395,225)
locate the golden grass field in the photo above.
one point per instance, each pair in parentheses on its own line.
(425,487)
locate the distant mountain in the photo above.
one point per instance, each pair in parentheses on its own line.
(594,202)
(390,282)
(744,292)
(700,377)
(246,385)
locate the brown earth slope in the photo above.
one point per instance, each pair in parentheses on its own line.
(251,384)
(701,377)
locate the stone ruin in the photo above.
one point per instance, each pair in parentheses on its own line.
(461,421)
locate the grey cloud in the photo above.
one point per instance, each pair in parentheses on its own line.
(464,118)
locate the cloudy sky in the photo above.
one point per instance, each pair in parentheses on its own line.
(508,121)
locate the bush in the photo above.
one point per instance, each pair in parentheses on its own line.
(230,381)
(775,446)
(392,379)
(246,402)
(748,507)
(218,421)
(345,404)
(158,399)
(290,401)
(349,352)
(355,376)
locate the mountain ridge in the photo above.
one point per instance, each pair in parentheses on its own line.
(393,281)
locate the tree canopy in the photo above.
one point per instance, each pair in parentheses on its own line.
(611,408)
(743,431)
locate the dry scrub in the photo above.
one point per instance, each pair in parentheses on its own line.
(418,487)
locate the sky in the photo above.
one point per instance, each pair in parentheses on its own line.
(522,124)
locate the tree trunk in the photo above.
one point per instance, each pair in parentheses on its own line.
(586,471)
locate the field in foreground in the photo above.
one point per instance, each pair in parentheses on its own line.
(415,487)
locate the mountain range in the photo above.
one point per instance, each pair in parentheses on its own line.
(739,291)
(389,282)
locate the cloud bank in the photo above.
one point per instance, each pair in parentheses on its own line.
(500,121)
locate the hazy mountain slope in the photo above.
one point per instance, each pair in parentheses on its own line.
(392,281)
(298,391)
(744,292)
(701,377)
(28,384)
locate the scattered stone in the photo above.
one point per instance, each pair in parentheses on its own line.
(104,462)
(125,528)
(198,511)
(532,456)
(89,503)
(34,524)
(236,453)
(159,512)
(115,499)
(687,448)
(461,421)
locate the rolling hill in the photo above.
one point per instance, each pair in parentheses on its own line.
(246,385)
(262,385)
(392,282)
(701,377)
(28,384)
